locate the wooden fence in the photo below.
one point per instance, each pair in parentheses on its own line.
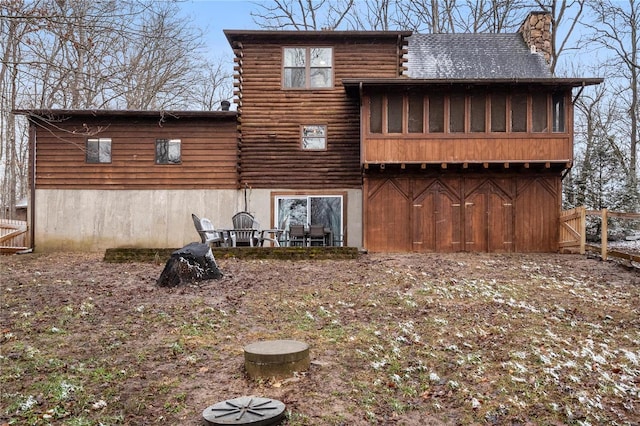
(573,236)
(13,236)
(573,232)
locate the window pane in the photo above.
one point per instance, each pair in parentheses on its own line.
(478,109)
(327,211)
(321,57)
(498,112)
(519,113)
(174,151)
(93,151)
(375,114)
(313,143)
(294,208)
(105,151)
(294,77)
(539,112)
(314,131)
(456,113)
(394,114)
(168,151)
(294,57)
(436,113)
(320,77)
(416,112)
(558,112)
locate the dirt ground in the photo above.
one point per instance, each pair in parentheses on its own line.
(395,339)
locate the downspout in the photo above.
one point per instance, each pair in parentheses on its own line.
(364,183)
(31,203)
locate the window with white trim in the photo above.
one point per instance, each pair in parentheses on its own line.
(312,210)
(98,150)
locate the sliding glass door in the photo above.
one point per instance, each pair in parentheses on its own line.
(311,210)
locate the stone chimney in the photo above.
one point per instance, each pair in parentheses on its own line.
(536,31)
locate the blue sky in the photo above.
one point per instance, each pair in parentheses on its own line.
(214,16)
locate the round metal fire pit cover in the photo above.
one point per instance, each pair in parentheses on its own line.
(246,410)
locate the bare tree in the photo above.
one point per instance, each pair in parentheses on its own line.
(434,16)
(79,54)
(302,14)
(215,85)
(15,25)
(616,28)
(160,64)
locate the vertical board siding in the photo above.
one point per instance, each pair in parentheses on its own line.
(462,212)
(208,149)
(270,116)
(489,148)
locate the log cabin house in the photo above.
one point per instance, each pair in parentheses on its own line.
(399,142)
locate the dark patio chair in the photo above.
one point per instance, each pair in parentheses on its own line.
(297,236)
(317,235)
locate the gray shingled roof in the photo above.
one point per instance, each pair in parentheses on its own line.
(473,56)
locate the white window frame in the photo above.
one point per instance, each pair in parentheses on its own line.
(104,151)
(297,216)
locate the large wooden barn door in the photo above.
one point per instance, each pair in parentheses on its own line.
(537,207)
(488,216)
(436,216)
(387,215)
(462,213)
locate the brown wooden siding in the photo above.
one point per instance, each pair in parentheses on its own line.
(513,147)
(450,212)
(208,150)
(466,146)
(270,117)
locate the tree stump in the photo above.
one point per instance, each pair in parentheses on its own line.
(192,263)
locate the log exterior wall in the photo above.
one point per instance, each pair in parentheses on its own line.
(270,117)
(208,150)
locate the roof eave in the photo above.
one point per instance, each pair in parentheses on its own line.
(123,113)
(239,35)
(404,81)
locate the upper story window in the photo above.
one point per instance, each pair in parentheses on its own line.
(314,137)
(308,67)
(472,111)
(98,150)
(168,151)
